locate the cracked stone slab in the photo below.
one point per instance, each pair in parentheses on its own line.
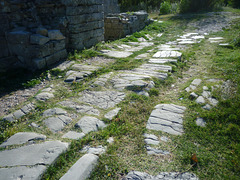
(56,124)
(89,123)
(167,118)
(102,99)
(73,135)
(94,150)
(136,175)
(148,72)
(111,114)
(22,138)
(151,139)
(117,54)
(54,111)
(82,168)
(27,108)
(153,151)
(80,108)
(44,153)
(74,76)
(168,54)
(82,67)
(156,67)
(22,172)
(161,61)
(44,96)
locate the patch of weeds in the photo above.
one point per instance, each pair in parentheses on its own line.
(84,54)
(153,92)
(57,72)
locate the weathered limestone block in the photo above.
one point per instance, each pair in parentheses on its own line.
(18,37)
(55,35)
(79,19)
(38,39)
(79,10)
(82,168)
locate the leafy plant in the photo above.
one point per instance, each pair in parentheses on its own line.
(165,7)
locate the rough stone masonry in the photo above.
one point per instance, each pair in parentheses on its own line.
(36,34)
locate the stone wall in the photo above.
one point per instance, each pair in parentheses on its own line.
(38,33)
(119,25)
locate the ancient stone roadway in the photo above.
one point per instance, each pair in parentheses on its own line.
(28,154)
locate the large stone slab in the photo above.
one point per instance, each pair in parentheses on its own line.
(83,67)
(161,61)
(56,124)
(167,54)
(117,54)
(82,168)
(22,173)
(156,67)
(44,96)
(35,154)
(80,108)
(167,118)
(23,137)
(102,99)
(73,135)
(54,111)
(89,123)
(136,175)
(111,114)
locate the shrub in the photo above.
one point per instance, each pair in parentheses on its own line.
(165,7)
(198,5)
(234,3)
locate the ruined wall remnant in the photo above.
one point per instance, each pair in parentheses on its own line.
(38,33)
(119,25)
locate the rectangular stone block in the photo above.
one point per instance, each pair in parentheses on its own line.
(85,27)
(60,55)
(39,63)
(85,18)
(18,37)
(79,10)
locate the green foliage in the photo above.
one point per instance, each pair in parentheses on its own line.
(165,7)
(198,5)
(153,92)
(234,3)
(84,54)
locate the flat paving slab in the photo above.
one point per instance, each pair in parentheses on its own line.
(136,175)
(80,108)
(117,54)
(35,154)
(23,137)
(161,61)
(102,99)
(167,118)
(22,173)
(167,54)
(89,123)
(56,124)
